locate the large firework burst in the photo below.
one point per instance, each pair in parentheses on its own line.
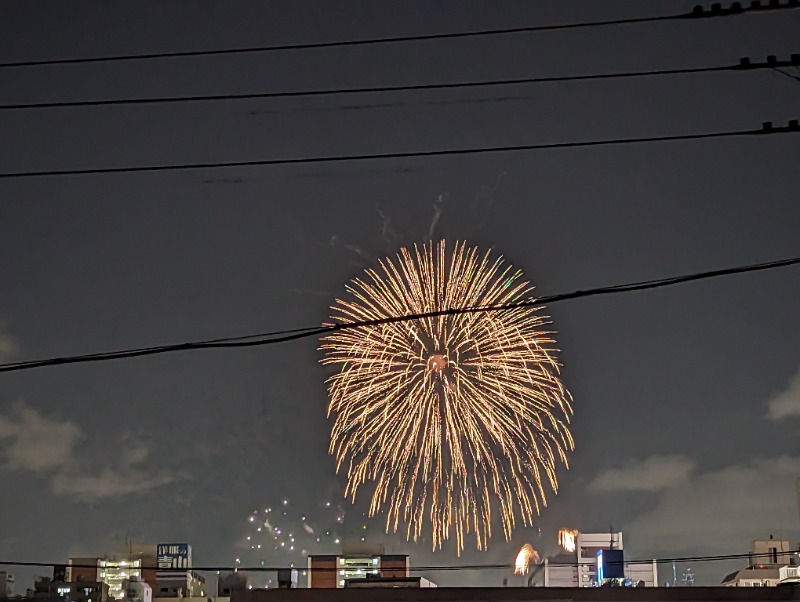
(453,417)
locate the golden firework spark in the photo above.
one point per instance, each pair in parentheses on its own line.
(525,556)
(567,539)
(453,417)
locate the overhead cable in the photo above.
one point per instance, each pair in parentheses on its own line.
(745,64)
(269,338)
(699,12)
(767,129)
(789,75)
(414,569)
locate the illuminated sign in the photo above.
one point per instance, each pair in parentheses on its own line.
(173,556)
(610,565)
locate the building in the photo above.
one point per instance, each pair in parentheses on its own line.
(82,569)
(46,589)
(523,594)
(763,575)
(556,571)
(6,584)
(115,572)
(331,571)
(112,571)
(576,565)
(146,554)
(770,551)
(789,575)
(185,584)
(390,582)
(174,577)
(164,567)
(136,590)
(586,549)
(642,573)
(229,582)
(772,562)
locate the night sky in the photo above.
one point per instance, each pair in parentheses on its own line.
(687,399)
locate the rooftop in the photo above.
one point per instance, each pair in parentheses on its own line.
(524,594)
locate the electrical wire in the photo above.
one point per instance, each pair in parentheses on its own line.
(743,65)
(699,12)
(335,44)
(454,567)
(789,75)
(766,129)
(269,338)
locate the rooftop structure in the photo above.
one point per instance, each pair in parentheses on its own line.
(772,563)
(331,571)
(577,564)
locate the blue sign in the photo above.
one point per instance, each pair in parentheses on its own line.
(610,565)
(173,556)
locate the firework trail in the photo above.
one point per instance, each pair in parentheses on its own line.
(450,418)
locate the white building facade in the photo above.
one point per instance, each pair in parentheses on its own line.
(115,572)
(577,567)
(136,590)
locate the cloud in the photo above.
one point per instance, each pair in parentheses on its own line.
(109,483)
(652,474)
(8,346)
(32,442)
(722,511)
(131,475)
(786,404)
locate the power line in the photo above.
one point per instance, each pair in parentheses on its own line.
(269,338)
(744,65)
(789,75)
(736,8)
(767,129)
(452,567)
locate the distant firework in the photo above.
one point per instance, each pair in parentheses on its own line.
(525,556)
(567,539)
(449,417)
(284,534)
